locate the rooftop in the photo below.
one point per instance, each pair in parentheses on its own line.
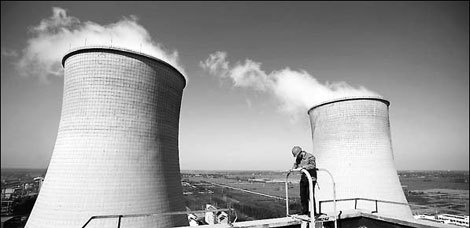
(351,218)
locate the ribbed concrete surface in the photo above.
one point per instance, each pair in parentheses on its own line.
(117,146)
(351,139)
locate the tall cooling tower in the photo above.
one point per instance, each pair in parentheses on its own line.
(351,139)
(116,151)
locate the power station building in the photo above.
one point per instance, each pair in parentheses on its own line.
(116,151)
(352,140)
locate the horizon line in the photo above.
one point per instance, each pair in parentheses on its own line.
(271,170)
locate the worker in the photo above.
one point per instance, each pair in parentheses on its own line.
(304,160)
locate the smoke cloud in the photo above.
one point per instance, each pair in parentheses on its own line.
(296,91)
(56,35)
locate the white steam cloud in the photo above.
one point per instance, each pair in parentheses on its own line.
(56,35)
(297,91)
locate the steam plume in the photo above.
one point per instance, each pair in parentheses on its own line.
(297,91)
(56,35)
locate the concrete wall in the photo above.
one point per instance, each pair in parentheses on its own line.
(351,139)
(117,146)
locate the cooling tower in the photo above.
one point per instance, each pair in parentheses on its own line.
(351,139)
(116,151)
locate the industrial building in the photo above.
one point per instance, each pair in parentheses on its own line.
(117,145)
(352,140)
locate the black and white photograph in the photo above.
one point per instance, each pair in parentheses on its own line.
(315,114)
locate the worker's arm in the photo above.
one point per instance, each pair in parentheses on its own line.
(296,163)
(295,166)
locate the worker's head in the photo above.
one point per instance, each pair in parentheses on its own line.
(296,151)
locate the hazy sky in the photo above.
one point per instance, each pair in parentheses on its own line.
(415,54)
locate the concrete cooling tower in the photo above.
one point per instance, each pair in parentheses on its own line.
(116,151)
(351,139)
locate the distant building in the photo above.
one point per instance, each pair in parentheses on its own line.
(39,180)
(7,193)
(458,220)
(257,180)
(6,207)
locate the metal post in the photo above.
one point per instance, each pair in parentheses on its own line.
(319,207)
(355,203)
(119,221)
(376,207)
(310,196)
(287,193)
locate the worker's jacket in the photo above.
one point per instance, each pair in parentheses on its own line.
(307,161)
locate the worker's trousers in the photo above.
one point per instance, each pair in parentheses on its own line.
(304,196)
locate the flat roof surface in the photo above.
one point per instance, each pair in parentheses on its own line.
(296,221)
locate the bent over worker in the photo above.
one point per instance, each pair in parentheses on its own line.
(304,160)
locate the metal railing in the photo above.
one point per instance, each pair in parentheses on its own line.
(358,199)
(376,204)
(334,197)
(311,202)
(120,217)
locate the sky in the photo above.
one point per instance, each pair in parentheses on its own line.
(236,113)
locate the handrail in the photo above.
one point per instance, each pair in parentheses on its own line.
(287,192)
(312,217)
(376,203)
(119,217)
(310,186)
(364,199)
(334,196)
